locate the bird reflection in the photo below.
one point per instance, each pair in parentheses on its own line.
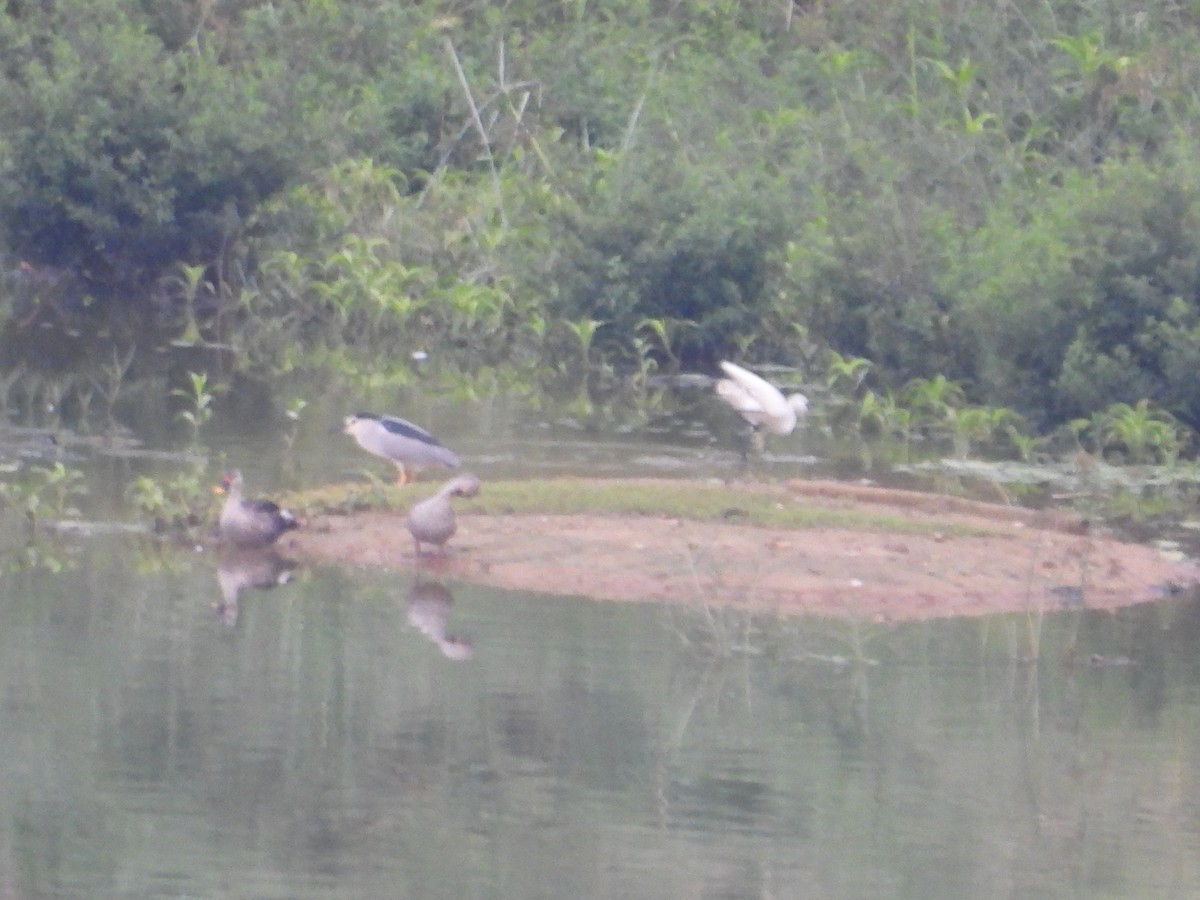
(239,568)
(427,610)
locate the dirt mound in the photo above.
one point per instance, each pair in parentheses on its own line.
(952,557)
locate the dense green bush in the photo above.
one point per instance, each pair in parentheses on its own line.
(1088,295)
(1004,198)
(122,158)
(353,269)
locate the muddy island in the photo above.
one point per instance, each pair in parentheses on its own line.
(804,547)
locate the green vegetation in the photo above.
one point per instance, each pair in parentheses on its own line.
(176,504)
(197,398)
(905,197)
(661,499)
(46,492)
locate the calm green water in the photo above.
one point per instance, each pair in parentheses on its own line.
(354,735)
(357,734)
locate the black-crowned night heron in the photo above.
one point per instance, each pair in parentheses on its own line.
(431,521)
(760,403)
(407,445)
(249,523)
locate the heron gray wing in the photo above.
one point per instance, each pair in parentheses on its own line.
(405,428)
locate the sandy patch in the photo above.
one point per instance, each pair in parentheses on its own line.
(975,558)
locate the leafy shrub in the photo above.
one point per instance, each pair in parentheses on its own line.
(122,157)
(1088,296)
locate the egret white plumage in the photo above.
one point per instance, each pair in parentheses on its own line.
(761,403)
(407,445)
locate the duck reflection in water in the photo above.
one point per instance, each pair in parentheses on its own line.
(239,568)
(427,610)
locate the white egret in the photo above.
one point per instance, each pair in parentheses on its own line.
(761,403)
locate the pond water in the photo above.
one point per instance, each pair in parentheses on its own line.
(351,733)
(358,734)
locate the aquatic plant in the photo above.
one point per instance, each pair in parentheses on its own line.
(845,374)
(931,400)
(199,396)
(109,378)
(584,331)
(974,424)
(644,362)
(884,416)
(177,503)
(666,329)
(44,492)
(1026,445)
(186,284)
(1142,433)
(847,403)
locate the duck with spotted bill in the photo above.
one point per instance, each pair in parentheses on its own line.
(250,523)
(408,446)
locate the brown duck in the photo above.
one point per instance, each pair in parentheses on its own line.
(431,521)
(250,523)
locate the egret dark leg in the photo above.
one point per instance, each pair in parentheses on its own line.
(750,443)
